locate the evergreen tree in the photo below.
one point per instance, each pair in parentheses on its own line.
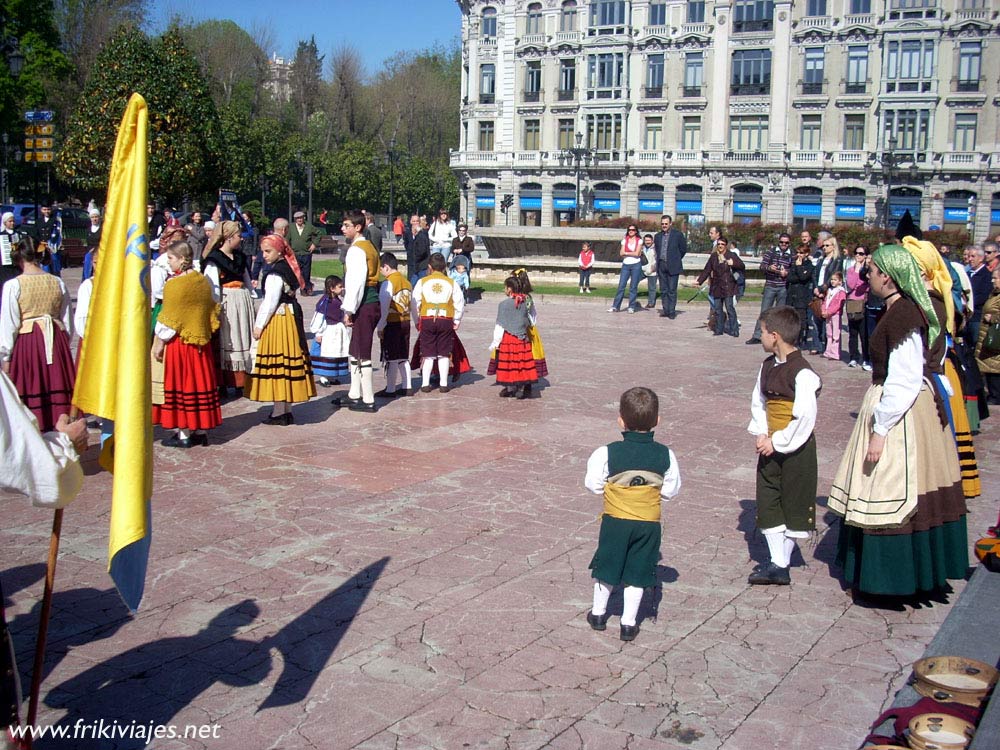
(304,78)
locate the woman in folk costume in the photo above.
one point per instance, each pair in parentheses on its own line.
(159,270)
(35,330)
(938,282)
(898,487)
(224,265)
(182,342)
(282,372)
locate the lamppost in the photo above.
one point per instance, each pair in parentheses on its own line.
(578,153)
(888,165)
(391,156)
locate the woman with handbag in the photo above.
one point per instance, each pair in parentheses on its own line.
(857,292)
(631,273)
(719,269)
(988,346)
(800,279)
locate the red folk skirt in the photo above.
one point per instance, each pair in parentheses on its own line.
(515,363)
(45,389)
(190,388)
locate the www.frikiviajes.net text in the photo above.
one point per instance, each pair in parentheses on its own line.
(99,729)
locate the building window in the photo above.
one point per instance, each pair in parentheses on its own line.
(691,134)
(910,66)
(857,69)
(812,79)
(969,63)
(694,73)
(534,24)
(486,136)
(816,7)
(532,135)
(860,7)
(811,135)
(604,132)
(566,134)
(751,72)
(488,28)
(607,17)
(965,132)
(854,132)
(532,81)
(654,132)
(654,76)
(567,79)
(487,83)
(748,133)
(696,11)
(753,15)
(911,4)
(658,13)
(567,18)
(909,127)
(604,75)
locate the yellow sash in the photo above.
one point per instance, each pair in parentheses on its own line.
(634,503)
(779,414)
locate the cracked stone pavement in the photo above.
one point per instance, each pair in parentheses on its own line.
(418,578)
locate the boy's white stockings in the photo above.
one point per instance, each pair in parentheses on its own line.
(602,592)
(631,599)
(781,544)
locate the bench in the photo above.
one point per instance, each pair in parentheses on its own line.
(73,251)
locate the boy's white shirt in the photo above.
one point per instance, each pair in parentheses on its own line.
(597,474)
(797,432)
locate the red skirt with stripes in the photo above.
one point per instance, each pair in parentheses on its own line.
(515,364)
(45,389)
(190,388)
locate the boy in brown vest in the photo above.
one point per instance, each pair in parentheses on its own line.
(783,415)
(394,327)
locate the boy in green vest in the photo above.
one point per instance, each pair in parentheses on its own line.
(634,475)
(783,415)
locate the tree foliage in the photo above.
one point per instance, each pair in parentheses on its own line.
(184,128)
(234,61)
(304,77)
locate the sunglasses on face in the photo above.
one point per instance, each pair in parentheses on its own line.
(633,230)
(784,242)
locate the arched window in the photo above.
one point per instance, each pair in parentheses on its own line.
(567,18)
(534,25)
(488,29)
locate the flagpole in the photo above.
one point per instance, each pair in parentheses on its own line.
(43,624)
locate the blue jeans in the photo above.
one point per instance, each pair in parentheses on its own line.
(725,310)
(773,297)
(585,277)
(631,275)
(651,288)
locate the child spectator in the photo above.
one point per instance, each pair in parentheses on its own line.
(460,275)
(833,304)
(783,414)
(586,261)
(331,338)
(394,296)
(634,475)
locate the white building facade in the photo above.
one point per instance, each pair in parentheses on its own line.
(802,112)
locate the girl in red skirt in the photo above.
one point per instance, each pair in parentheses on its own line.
(514,363)
(35,328)
(182,342)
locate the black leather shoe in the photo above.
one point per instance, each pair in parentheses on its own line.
(672,316)
(444,388)
(176,441)
(770,575)
(663,314)
(200,439)
(282,420)
(426,388)
(598,622)
(362,406)
(524,393)
(386,394)
(629,632)
(753,340)
(506,392)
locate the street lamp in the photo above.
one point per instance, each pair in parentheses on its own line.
(888,165)
(391,155)
(578,153)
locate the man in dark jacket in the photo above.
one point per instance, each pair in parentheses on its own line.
(671,247)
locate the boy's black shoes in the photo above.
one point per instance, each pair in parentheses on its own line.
(629,632)
(362,406)
(597,622)
(770,575)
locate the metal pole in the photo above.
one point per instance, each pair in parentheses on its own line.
(289,198)
(263,199)
(576,208)
(34,192)
(888,191)
(392,188)
(309,184)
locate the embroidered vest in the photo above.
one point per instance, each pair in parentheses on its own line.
(399,304)
(40,295)
(436,296)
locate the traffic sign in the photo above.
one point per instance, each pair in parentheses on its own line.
(43,156)
(43,143)
(29,155)
(29,143)
(39,115)
(29,130)
(45,129)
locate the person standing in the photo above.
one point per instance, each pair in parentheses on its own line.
(775,264)
(671,247)
(462,246)
(50,232)
(718,272)
(361,309)
(649,269)
(979,278)
(830,263)
(441,233)
(419,252)
(372,232)
(857,293)
(197,235)
(93,242)
(631,271)
(304,239)
(799,290)
(397,228)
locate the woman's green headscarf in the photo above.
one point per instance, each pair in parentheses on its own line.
(901,267)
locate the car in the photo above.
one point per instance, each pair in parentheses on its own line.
(75,221)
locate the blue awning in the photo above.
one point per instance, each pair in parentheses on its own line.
(530,203)
(564,204)
(956,215)
(486,201)
(746,208)
(607,204)
(807,210)
(850,211)
(649,205)
(995,217)
(688,207)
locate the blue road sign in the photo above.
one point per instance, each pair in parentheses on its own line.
(39,115)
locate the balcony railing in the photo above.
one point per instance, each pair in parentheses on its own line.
(487,41)
(811,88)
(746,156)
(966,87)
(850,158)
(653,92)
(762,24)
(816,22)
(568,37)
(910,87)
(656,31)
(961,159)
(750,89)
(604,93)
(648,158)
(528,158)
(487,99)
(854,87)
(806,157)
(971,14)
(689,92)
(703,29)
(566,95)
(530,96)
(533,39)
(859,19)
(686,158)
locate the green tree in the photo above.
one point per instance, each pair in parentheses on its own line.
(304,78)
(185,133)
(232,59)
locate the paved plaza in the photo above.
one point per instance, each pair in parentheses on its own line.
(418,578)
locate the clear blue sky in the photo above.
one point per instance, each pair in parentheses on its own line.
(377,28)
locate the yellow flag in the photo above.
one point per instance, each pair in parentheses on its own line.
(113,380)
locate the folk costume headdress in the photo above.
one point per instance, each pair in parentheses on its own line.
(902,268)
(933,267)
(222,232)
(278,243)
